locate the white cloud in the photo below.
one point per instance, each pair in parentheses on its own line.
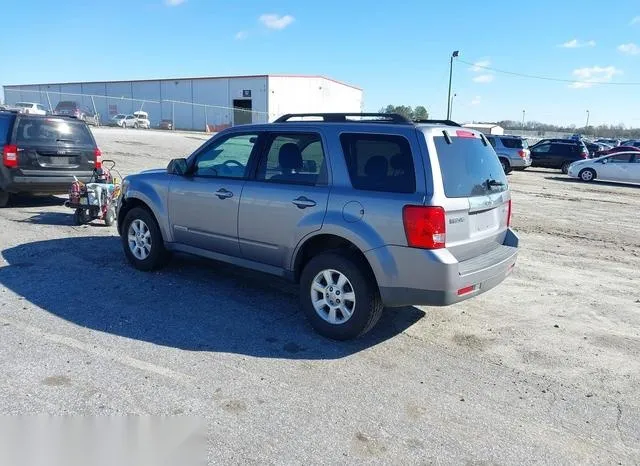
(241,35)
(273,21)
(587,77)
(480,66)
(174,2)
(629,49)
(575,44)
(635,20)
(476,100)
(483,78)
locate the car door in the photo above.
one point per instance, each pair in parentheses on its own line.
(287,199)
(203,205)
(540,154)
(616,168)
(634,169)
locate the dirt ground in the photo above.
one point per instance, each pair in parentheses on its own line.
(544,368)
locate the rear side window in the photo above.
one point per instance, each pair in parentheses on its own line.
(52,131)
(295,158)
(469,168)
(514,143)
(378,162)
(492,140)
(5,128)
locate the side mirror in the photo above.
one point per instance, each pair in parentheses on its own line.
(177,167)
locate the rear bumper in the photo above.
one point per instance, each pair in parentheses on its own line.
(520,162)
(408,276)
(41,184)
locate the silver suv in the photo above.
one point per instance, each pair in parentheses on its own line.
(362,210)
(513,152)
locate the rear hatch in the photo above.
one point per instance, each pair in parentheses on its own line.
(54,147)
(477,199)
(519,145)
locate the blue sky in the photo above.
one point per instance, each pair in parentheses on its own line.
(398,52)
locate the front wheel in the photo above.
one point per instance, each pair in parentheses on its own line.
(142,241)
(588,174)
(565,167)
(339,296)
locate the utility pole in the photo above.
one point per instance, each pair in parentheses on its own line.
(523,113)
(451,106)
(586,127)
(453,55)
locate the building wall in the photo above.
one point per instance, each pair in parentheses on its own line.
(194,103)
(289,94)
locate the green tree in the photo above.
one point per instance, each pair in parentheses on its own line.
(419,113)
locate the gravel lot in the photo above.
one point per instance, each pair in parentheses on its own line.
(544,368)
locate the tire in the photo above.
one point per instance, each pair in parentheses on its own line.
(366,307)
(81,217)
(110,217)
(506,166)
(155,255)
(565,167)
(5,199)
(587,175)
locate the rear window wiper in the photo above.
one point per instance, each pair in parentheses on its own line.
(65,140)
(492,183)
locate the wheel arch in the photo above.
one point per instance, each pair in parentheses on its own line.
(326,242)
(138,200)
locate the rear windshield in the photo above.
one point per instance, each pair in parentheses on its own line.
(469,168)
(23,105)
(5,127)
(514,143)
(52,131)
(66,104)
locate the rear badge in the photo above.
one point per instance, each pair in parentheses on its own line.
(455,220)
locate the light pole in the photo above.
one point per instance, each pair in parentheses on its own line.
(586,127)
(523,113)
(453,55)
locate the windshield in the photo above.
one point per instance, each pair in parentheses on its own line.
(52,132)
(469,168)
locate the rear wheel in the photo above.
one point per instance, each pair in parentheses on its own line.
(142,241)
(5,198)
(588,174)
(339,296)
(565,167)
(506,166)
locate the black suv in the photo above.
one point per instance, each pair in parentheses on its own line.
(71,108)
(42,154)
(557,153)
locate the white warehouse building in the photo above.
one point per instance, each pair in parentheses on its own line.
(205,103)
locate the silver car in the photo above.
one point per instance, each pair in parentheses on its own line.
(362,214)
(513,152)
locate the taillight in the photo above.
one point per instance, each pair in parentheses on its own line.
(424,226)
(97,158)
(585,154)
(10,156)
(522,154)
(509,213)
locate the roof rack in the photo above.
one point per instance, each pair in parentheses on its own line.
(438,122)
(342,117)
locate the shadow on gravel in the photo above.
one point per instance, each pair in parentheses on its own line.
(193,304)
(566,179)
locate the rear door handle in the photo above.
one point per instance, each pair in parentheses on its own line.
(224,193)
(302,202)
